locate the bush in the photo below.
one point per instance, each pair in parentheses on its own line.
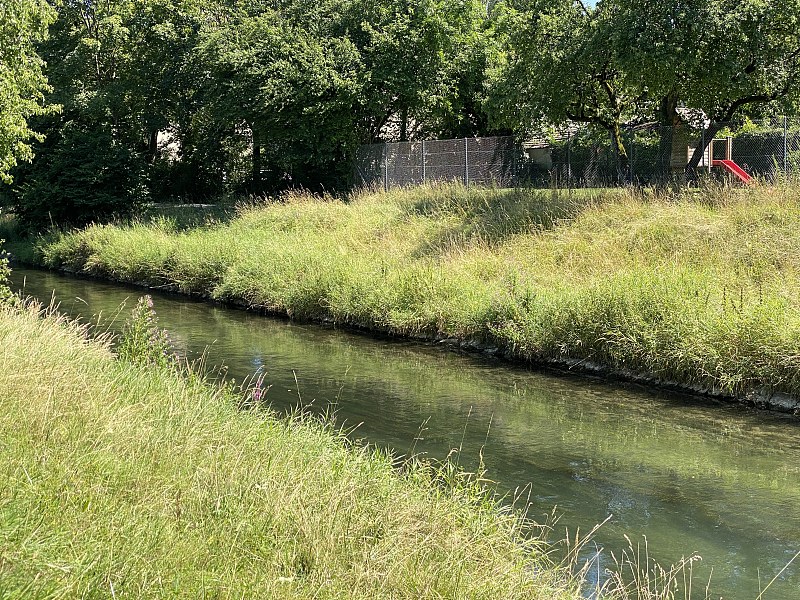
(81,174)
(5,292)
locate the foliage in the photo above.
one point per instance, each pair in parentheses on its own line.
(423,63)
(296,89)
(554,68)
(193,99)
(74,177)
(5,271)
(558,68)
(81,174)
(742,53)
(291,93)
(142,341)
(115,68)
(22,83)
(201,98)
(624,61)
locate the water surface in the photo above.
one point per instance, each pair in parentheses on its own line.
(690,475)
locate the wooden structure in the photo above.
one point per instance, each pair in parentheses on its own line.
(726,163)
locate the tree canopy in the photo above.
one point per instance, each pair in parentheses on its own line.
(289,92)
(22,83)
(558,67)
(624,60)
(195,98)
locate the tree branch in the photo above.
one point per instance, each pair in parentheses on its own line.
(753,98)
(584,8)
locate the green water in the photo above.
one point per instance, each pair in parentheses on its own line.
(689,475)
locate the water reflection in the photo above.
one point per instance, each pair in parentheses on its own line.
(691,476)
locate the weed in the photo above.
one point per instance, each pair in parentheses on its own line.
(5,292)
(142,341)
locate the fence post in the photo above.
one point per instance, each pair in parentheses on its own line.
(631,173)
(466,163)
(785,145)
(386,166)
(423,162)
(569,160)
(514,165)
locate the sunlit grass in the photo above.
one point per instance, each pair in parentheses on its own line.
(696,286)
(124,481)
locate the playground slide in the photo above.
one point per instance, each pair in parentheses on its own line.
(733,168)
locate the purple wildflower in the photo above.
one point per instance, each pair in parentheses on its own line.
(257,392)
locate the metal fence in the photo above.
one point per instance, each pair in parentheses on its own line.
(472,161)
(585,158)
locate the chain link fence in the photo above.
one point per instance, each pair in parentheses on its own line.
(585,158)
(471,161)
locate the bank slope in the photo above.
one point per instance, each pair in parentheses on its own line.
(123,481)
(698,287)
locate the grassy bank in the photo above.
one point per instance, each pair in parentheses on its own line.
(699,287)
(129,481)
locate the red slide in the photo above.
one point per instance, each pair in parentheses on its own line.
(732,167)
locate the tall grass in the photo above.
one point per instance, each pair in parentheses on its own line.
(125,480)
(694,286)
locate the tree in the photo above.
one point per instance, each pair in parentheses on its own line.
(628,59)
(463,113)
(290,93)
(724,57)
(119,71)
(22,83)
(90,150)
(418,58)
(558,67)
(165,83)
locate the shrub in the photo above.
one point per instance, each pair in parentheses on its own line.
(82,174)
(5,292)
(143,342)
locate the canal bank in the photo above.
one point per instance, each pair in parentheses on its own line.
(690,475)
(690,292)
(762,399)
(123,480)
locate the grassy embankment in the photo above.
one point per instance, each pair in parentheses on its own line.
(699,287)
(121,481)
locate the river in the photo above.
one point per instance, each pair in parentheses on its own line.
(687,474)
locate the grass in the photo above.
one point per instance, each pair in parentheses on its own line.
(126,480)
(694,286)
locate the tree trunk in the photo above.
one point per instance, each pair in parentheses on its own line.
(404,124)
(620,153)
(699,151)
(669,121)
(152,147)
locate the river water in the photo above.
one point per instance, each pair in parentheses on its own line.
(686,474)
